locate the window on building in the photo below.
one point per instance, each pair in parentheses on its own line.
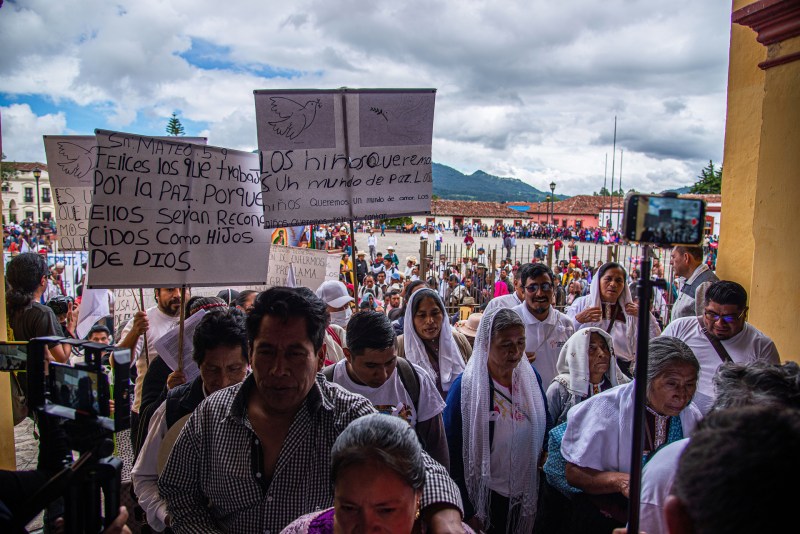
(46,194)
(28,194)
(517,222)
(46,216)
(29,215)
(476,221)
(430,221)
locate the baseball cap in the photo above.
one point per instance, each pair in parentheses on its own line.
(334,293)
(395,276)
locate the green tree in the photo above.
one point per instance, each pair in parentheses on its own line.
(7,172)
(709,182)
(174,126)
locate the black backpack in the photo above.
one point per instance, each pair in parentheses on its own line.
(408,376)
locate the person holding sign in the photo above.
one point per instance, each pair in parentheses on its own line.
(153,323)
(256,456)
(220,351)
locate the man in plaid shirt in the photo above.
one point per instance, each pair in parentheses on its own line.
(255,456)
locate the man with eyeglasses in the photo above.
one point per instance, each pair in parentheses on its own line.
(721,334)
(546,329)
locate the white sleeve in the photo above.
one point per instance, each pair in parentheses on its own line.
(144,474)
(431,403)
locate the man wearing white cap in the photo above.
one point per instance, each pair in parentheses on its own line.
(335,295)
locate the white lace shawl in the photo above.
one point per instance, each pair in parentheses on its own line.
(451,363)
(573,362)
(527,400)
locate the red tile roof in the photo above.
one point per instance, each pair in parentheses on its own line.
(592,205)
(471,208)
(24,166)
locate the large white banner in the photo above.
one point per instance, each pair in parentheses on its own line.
(70,162)
(333,156)
(167,213)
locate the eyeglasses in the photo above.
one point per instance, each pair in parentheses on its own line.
(533,288)
(729,318)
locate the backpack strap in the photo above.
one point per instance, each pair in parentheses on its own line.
(410,379)
(715,342)
(334,335)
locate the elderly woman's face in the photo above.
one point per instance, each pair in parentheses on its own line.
(599,355)
(671,391)
(611,284)
(370,497)
(506,349)
(428,319)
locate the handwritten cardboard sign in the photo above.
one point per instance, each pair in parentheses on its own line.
(311,268)
(167,213)
(333,156)
(70,166)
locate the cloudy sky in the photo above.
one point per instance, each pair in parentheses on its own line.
(527,88)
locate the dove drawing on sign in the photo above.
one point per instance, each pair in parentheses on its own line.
(77,160)
(295,117)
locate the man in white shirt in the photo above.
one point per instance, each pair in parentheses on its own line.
(546,329)
(154,322)
(372,243)
(220,350)
(394,386)
(725,322)
(513,299)
(687,262)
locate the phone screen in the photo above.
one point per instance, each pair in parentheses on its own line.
(664,220)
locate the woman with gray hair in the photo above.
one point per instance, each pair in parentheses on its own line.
(378,472)
(496,422)
(596,443)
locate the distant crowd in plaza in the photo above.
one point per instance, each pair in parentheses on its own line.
(29,236)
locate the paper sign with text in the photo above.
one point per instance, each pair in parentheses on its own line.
(70,162)
(338,155)
(125,304)
(167,213)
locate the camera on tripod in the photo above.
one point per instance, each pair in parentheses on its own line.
(80,398)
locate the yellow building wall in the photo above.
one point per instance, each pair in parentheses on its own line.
(761,185)
(741,154)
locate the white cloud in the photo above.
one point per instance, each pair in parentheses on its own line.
(526,88)
(22,137)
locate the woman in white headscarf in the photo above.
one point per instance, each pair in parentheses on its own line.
(609,306)
(586,366)
(429,341)
(496,421)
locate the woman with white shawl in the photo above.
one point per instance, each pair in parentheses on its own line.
(429,341)
(609,306)
(596,443)
(586,366)
(496,421)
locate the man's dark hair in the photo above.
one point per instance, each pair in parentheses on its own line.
(223,327)
(24,275)
(727,292)
(242,297)
(518,272)
(369,330)
(286,302)
(694,252)
(452,278)
(98,328)
(739,462)
(534,270)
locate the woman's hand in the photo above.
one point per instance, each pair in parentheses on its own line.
(632,309)
(175,379)
(590,315)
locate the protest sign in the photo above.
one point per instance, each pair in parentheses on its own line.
(338,155)
(94,306)
(70,162)
(125,305)
(167,347)
(167,213)
(311,267)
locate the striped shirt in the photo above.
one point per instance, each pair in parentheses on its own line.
(214,479)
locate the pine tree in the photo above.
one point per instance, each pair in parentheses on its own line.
(709,182)
(174,126)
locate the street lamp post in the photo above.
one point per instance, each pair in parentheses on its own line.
(37,173)
(552,197)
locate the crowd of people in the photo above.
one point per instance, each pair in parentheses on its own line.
(30,236)
(344,410)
